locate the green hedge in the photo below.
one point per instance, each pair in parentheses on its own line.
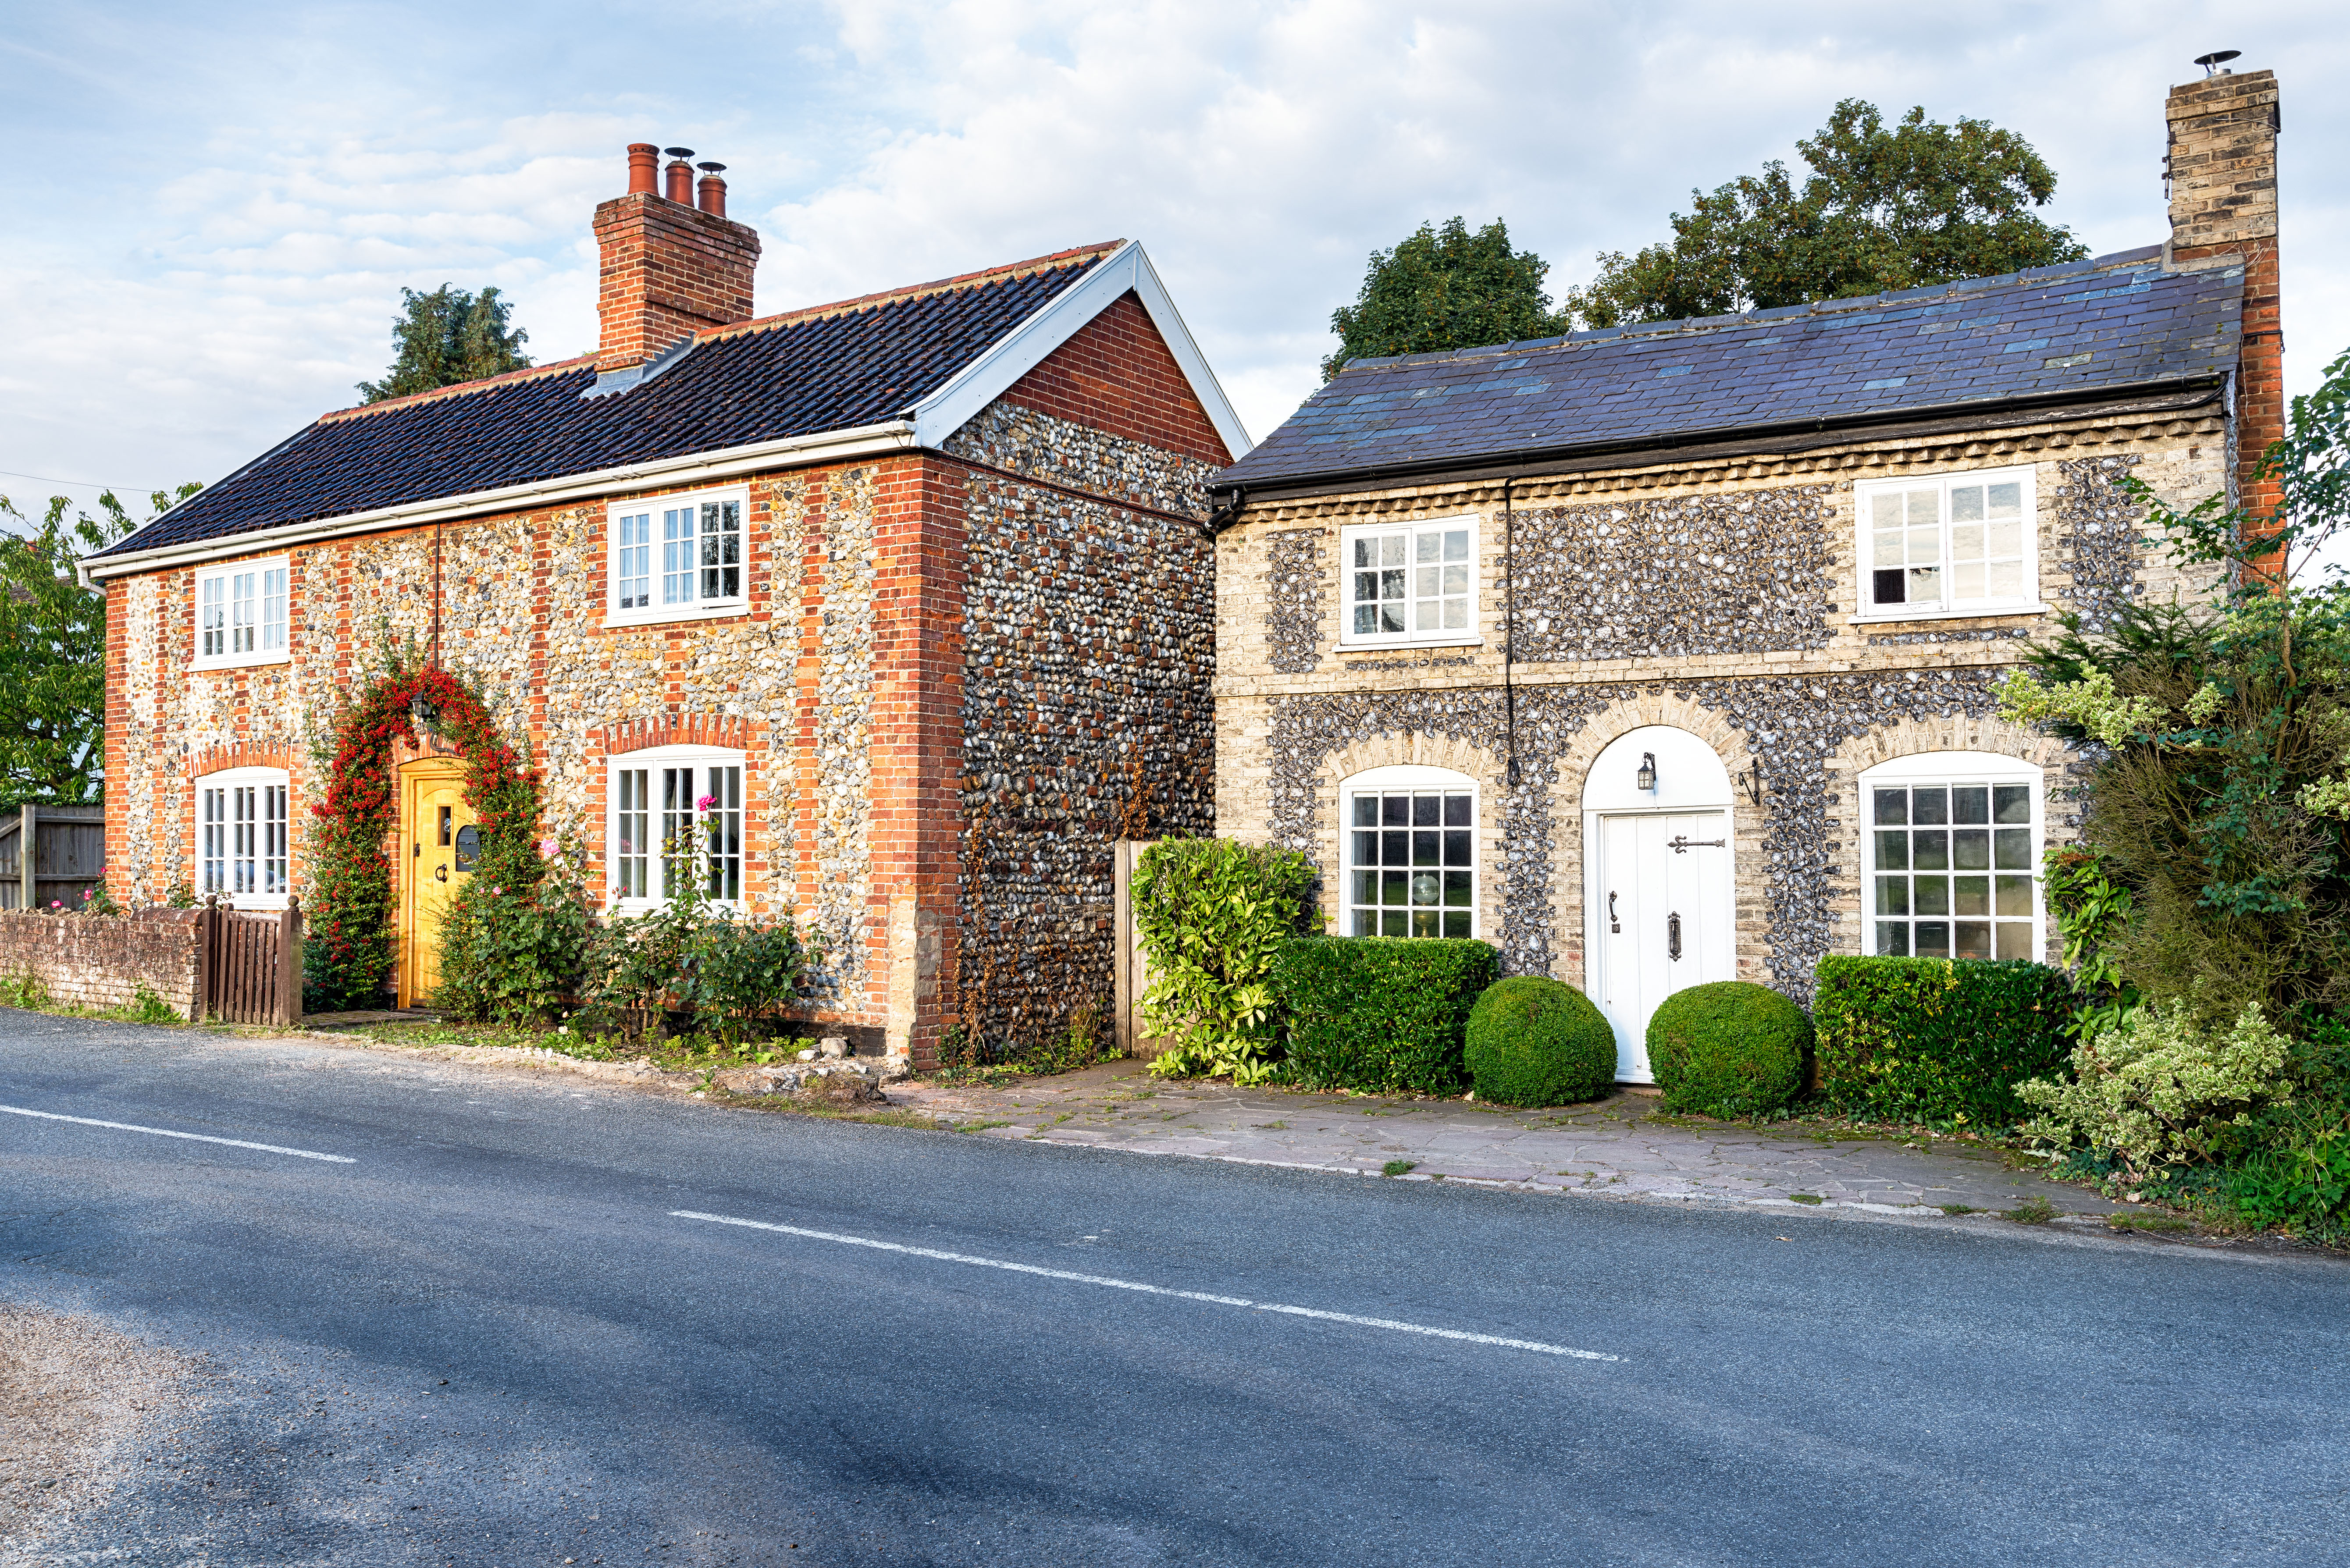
(1731,1048)
(1533,1041)
(1937,1040)
(1385,1013)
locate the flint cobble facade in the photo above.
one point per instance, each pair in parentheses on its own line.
(1717,598)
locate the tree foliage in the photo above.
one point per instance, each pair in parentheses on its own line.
(1445,288)
(1882,208)
(1212,914)
(445,337)
(53,648)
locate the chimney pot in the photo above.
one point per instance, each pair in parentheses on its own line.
(680,177)
(643,159)
(710,193)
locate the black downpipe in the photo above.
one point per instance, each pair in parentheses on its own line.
(1509,635)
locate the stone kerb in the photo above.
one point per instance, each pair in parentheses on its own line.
(100,961)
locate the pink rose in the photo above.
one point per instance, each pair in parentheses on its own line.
(705,803)
(546,847)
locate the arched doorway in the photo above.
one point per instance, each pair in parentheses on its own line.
(1658,888)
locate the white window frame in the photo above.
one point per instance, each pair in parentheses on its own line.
(1418,781)
(243,837)
(637,824)
(642,533)
(243,614)
(1948,607)
(1458,636)
(1951,768)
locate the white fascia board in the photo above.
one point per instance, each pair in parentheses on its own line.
(726,463)
(1026,346)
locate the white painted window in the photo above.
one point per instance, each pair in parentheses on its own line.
(1955,544)
(1409,583)
(1952,851)
(241,837)
(1410,853)
(241,614)
(675,817)
(677,558)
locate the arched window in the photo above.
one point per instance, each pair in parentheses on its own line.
(1951,851)
(674,812)
(241,837)
(1410,853)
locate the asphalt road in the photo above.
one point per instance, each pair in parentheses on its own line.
(489,1338)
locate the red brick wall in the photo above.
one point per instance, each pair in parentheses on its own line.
(1117,375)
(666,270)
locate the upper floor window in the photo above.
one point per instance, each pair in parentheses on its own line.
(1953,855)
(675,821)
(678,557)
(1411,582)
(241,837)
(241,614)
(1411,852)
(1959,544)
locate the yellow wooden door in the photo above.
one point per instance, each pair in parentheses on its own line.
(442,845)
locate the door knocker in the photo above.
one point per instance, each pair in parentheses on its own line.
(441,872)
(1614,925)
(1673,937)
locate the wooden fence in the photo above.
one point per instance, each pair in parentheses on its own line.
(1133,977)
(250,964)
(68,852)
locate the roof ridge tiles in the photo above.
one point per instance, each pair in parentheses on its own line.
(911,291)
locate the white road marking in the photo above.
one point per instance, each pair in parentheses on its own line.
(1117,1285)
(193,1137)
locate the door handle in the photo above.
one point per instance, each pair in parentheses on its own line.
(1613,923)
(441,874)
(1673,937)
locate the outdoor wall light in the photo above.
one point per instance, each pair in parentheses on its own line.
(422,713)
(1645,779)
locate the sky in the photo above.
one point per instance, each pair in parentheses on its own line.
(212,211)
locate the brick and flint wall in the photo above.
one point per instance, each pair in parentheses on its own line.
(101,962)
(1715,597)
(959,677)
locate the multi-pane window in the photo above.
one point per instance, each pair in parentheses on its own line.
(677,557)
(1959,542)
(676,821)
(241,836)
(1411,583)
(1412,862)
(1951,869)
(241,614)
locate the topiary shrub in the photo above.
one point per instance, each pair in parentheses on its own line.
(1729,1049)
(1384,1014)
(1538,1041)
(1937,1040)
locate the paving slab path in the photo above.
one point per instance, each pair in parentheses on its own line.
(1622,1146)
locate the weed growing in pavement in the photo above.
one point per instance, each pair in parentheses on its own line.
(2161,1224)
(2031,1212)
(1955,1209)
(1398,1167)
(977,1126)
(1813,1198)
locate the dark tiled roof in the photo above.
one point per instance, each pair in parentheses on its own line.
(2082,329)
(835,367)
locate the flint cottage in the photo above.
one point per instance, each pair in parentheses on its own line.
(1664,655)
(903,592)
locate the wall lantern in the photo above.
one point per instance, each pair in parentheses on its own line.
(422,714)
(1645,779)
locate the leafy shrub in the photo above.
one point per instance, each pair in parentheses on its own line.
(1729,1049)
(1937,1040)
(1533,1041)
(511,950)
(1211,914)
(732,973)
(2161,1089)
(1385,1014)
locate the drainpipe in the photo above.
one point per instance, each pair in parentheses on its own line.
(1508,634)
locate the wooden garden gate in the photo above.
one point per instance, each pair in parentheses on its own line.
(249,965)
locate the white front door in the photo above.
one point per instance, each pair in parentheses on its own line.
(1661,918)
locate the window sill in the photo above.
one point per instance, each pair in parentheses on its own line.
(1403,645)
(667,616)
(1880,618)
(634,907)
(248,663)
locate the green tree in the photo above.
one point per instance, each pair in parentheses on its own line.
(53,648)
(1445,288)
(447,337)
(1917,204)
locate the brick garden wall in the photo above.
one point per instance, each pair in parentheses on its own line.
(91,961)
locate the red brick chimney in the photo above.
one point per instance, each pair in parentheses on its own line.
(2223,173)
(668,268)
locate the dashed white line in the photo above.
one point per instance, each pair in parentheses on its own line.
(193,1137)
(1117,1285)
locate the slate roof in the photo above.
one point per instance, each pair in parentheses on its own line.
(836,366)
(2084,329)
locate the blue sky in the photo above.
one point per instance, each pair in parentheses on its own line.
(213,210)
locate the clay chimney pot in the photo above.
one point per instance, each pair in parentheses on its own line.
(643,159)
(712,196)
(680,177)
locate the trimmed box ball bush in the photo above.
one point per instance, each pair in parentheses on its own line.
(1539,1042)
(1729,1049)
(1383,1013)
(1937,1040)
